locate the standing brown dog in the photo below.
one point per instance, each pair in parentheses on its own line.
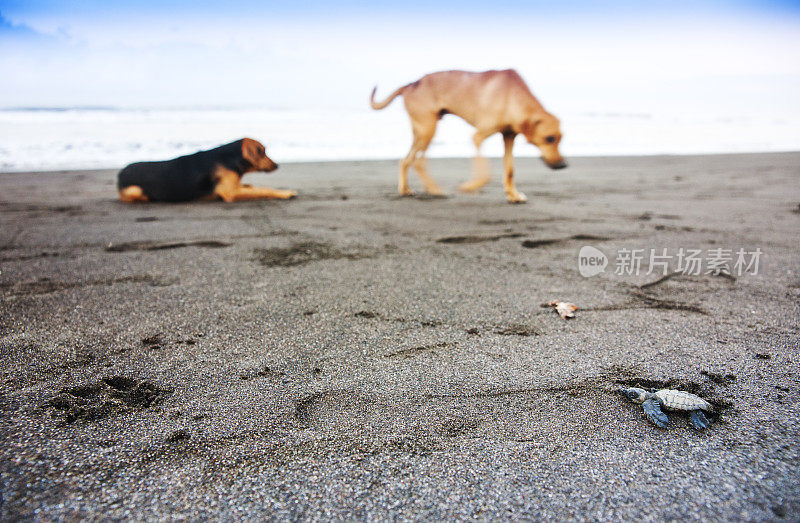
(492,102)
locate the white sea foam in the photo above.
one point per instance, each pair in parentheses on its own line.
(46,139)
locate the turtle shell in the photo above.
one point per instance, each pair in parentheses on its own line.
(679,400)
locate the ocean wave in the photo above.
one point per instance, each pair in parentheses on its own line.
(56,138)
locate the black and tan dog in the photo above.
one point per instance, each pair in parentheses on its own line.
(207,175)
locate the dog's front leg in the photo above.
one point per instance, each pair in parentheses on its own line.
(259,193)
(513,195)
(230,189)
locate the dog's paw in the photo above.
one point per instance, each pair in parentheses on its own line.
(471,187)
(405,191)
(517,197)
(286,195)
(434,191)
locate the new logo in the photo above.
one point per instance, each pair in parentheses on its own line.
(591,261)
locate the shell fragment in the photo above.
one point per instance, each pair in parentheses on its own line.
(564,309)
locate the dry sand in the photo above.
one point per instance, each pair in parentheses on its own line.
(349,354)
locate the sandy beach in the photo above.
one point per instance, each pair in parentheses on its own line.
(354,355)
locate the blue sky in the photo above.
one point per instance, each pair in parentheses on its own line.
(314,53)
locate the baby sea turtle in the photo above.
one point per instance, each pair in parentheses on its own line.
(653,402)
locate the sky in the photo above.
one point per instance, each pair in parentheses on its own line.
(614,56)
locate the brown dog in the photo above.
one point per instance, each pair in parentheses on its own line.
(492,102)
(213,174)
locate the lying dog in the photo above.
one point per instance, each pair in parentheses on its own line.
(213,174)
(492,102)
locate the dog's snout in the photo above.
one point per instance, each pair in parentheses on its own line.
(558,164)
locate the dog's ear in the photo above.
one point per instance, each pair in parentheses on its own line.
(528,127)
(252,151)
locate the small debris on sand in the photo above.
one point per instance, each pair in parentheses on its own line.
(178,435)
(564,309)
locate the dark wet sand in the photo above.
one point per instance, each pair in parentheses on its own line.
(350,354)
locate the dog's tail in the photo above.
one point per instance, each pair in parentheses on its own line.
(380,105)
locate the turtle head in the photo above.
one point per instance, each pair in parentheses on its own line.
(636,395)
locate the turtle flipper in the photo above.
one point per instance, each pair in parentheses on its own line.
(698,419)
(653,410)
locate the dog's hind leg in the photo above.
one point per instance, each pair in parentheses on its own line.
(421,166)
(480,165)
(424,129)
(132,193)
(402,181)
